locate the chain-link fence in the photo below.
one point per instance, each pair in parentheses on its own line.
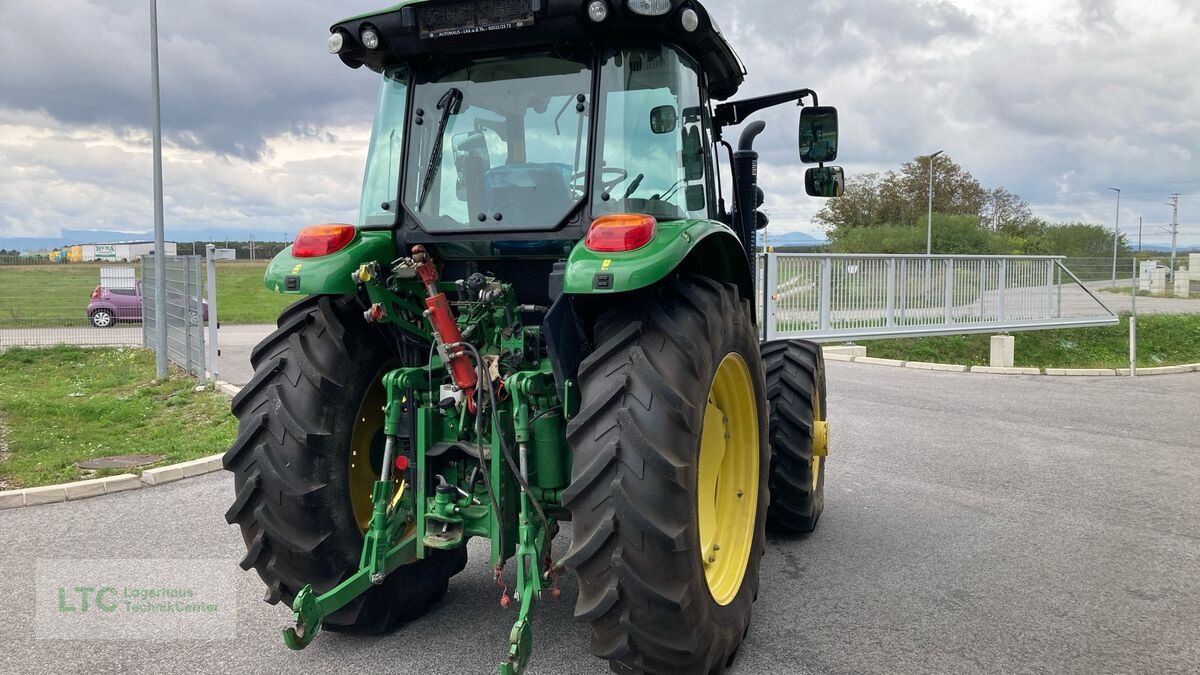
(186,311)
(44,303)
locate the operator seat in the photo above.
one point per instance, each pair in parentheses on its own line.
(535,196)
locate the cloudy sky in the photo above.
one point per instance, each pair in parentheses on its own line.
(266,132)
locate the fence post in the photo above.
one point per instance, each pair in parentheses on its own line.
(198,326)
(1133,322)
(891,292)
(186,318)
(983,269)
(949,290)
(1058,314)
(826,288)
(1001,285)
(770,285)
(213,351)
(147,309)
(1049,286)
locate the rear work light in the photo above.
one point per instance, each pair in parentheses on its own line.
(650,7)
(624,232)
(319,240)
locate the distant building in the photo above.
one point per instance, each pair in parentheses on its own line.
(119,251)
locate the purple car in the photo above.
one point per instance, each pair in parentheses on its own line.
(110,305)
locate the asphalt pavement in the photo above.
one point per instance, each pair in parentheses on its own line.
(973,523)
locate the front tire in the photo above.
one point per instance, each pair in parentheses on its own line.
(796,395)
(299,491)
(646,506)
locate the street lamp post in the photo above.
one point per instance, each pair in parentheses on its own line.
(1116,235)
(160,257)
(929,228)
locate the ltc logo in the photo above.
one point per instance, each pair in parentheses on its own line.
(87,597)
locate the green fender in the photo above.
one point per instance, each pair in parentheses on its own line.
(690,246)
(330,274)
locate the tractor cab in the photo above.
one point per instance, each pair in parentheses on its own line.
(507,129)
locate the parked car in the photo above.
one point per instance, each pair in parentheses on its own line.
(111,305)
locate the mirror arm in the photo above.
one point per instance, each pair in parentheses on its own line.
(736,112)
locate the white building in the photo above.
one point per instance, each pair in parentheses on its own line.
(123,251)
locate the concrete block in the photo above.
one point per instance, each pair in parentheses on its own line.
(165,474)
(1003,349)
(1006,371)
(229,390)
(879,362)
(49,494)
(121,483)
(11,499)
(1158,281)
(1165,370)
(1082,372)
(199,467)
(848,350)
(84,488)
(944,367)
(1183,284)
(838,357)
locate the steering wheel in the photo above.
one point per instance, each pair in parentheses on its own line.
(619,176)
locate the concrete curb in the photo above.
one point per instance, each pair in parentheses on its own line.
(95,487)
(1054,372)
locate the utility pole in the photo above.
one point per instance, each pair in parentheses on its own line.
(1116,235)
(160,255)
(251,248)
(1174,204)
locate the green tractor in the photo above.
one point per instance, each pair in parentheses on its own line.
(546,313)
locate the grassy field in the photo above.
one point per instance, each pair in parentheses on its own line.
(36,296)
(1163,340)
(65,405)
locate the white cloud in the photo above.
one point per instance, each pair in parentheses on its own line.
(1053,99)
(90,177)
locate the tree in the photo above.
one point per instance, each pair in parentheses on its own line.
(901,198)
(1003,210)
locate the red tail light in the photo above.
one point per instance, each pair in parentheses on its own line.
(319,240)
(96,293)
(624,232)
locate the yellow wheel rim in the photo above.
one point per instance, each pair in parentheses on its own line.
(820,439)
(727,486)
(366,451)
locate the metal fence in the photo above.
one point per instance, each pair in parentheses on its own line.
(45,304)
(828,297)
(186,312)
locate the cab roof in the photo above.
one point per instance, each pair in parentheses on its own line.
(412,29)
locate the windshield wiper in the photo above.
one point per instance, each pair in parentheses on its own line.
(449,104)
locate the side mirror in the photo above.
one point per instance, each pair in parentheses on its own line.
(818,135)
(825,181)
(664,119)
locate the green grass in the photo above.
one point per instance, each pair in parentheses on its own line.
(242,298)
(68,404)
(1163,340)
(37,296)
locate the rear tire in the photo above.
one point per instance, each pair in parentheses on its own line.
(796,395)
(102,318)
(638,440)
(291,466)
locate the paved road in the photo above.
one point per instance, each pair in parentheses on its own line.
(975,523)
